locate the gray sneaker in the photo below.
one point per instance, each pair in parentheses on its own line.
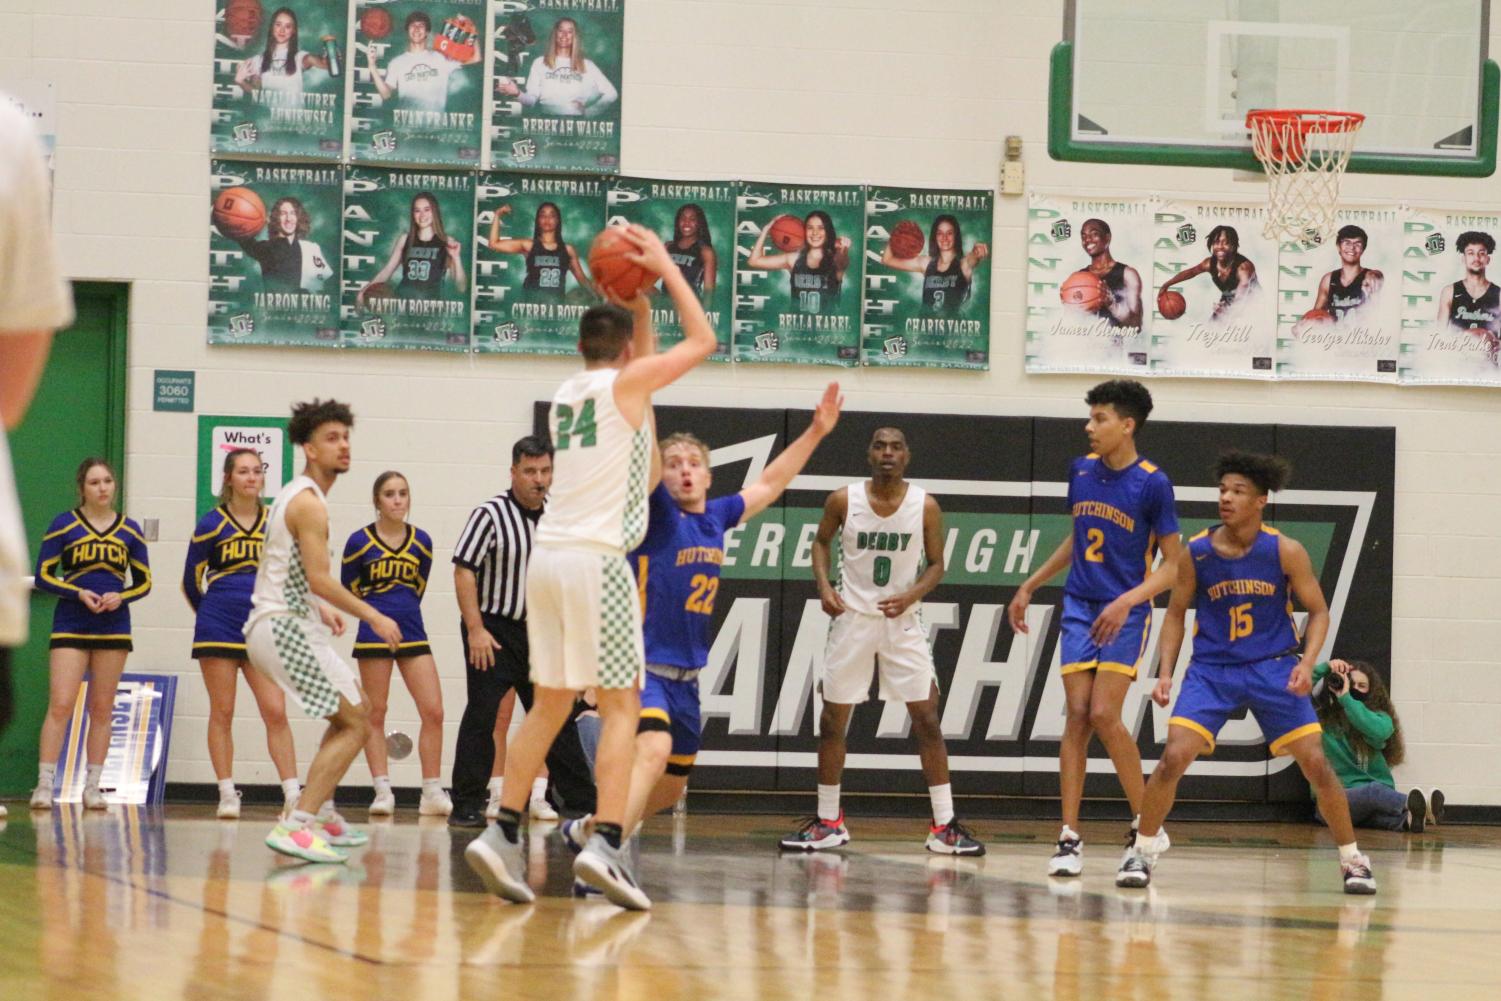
(608,870)
(499,865)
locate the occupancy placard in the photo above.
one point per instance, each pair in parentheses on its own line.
(696,219)
(407,258)
(555,102)
(533,233)
(927,278)
(814,236)
(279,79)
(1452,304)
(418,82)
(273,245)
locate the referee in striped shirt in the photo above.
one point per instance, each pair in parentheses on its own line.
(489,577)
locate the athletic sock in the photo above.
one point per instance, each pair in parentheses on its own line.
(539,788)
(1148,845)
(610,832)
(431,787)
(1348,852)
(382,783)
(1136,822)
(91,776)
(828,802)
(496,784)
(943,803)
(510,824)
(290,790)
(300,818)
(226,788)
(46,773)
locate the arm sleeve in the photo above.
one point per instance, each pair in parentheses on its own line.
(661,511)
(1375,727)
(255,248)
(349,566)
(608,95)
(140,565)
(476,540)
(33,294)
(1164,517)
(49,557)
(424,561)
(195,564)
(1320,670)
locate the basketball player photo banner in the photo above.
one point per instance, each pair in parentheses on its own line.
(273,253)
(696,219)
(531,235)
(279,78)
(1089,262)
(418,82)
(798,258)
(1340,302)
(555,85)
(927,278)
(1214,286)
(1451,320)
(407,257)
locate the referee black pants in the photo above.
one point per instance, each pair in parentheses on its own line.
(474,754)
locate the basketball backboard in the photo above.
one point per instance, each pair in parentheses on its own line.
(1169,82)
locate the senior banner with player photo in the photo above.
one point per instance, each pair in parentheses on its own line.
(1452,306)
(406,259)
(1089,262)
(555,96)
(279,78)
(1001,694)
(927,278)
(418,90)
(273,253)
(696,219)
(532,235)
(816,235)
(1341,302)
(1214,284)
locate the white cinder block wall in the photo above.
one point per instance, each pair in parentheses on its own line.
(815,90)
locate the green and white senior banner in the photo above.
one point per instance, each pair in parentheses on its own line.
(1452,303)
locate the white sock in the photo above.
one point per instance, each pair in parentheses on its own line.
(92,775)
(943,803)
(226,788)
(539,788)
(1067,833)
(382,783)
(290,790)
(1136,822)
(327,809)
(300,818)
(1149,845)
(1348,852)
(432,787)
(496,784)
(46,774)
(828,802)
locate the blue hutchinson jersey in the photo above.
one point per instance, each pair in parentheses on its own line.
(223,555)
(391,580)
(1243,610)
(75,557)
(677,575)
(1118,517)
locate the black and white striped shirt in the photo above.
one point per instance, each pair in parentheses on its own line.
(495,544)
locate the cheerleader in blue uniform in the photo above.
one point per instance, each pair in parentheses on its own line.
(217,579)
(387,564)
(94,559)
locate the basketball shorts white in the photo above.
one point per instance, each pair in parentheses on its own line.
(583,620)
(860,645)
(296,655)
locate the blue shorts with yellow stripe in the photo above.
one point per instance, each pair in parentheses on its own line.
(1079,652)
(1211,693)
(368,646)
(671,706)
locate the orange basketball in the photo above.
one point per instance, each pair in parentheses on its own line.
(1083,290)
(1171,304)
(610,268)
(1319,316)
(239,213)
(906,240)
(787,233)
(375,23)
(242,17)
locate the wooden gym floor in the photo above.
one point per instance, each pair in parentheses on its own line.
(129,904)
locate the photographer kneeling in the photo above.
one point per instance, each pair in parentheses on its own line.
(1362,740)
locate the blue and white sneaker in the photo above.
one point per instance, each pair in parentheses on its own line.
(608,870)
(576,832)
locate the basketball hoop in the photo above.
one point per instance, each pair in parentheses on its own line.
(1304,154)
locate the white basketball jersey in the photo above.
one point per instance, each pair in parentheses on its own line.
(879,557)
(600,468)
(281,586)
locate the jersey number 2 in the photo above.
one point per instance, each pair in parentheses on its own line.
(1241,623)
(1096,543)
(576,429)
(704,590)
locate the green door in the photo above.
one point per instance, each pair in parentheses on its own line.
(79,411)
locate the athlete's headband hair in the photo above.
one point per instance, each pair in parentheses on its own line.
(1352,232)
(533,446)
(685,439)
(309,417)
(1268,473)
(604,332)
(226,489)
(1475,236)
(83,472)
(1129,398)
(418,17)
(1104,226)
(1230,234)
(382,480)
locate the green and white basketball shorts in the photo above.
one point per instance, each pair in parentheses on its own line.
(583,620)
(296,654)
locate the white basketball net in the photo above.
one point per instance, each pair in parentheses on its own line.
(1305,154)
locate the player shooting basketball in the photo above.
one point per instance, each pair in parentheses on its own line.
(948,273)
(1232,273)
